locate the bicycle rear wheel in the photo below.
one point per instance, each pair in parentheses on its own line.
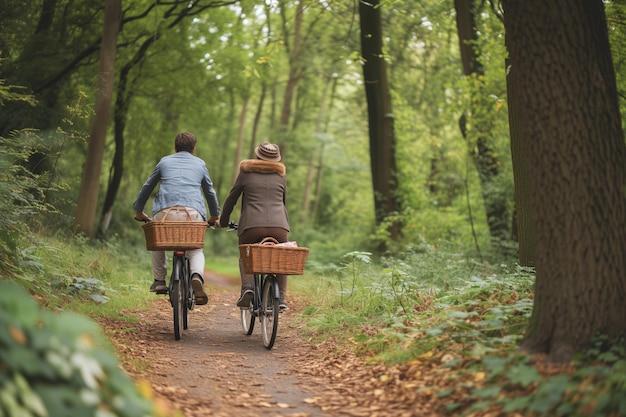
(269,311)
(177,298)
(247,320)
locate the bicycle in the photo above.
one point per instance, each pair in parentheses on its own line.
(264,305)
(265,301)
(181,295)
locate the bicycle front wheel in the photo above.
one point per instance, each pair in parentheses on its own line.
(177,298)
(269,312)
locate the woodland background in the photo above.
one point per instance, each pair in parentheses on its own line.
(435,191)
(238,73)
(438,171)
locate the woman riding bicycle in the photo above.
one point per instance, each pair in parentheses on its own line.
(184,178)
(262,184)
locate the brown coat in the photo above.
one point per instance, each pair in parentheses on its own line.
(262,185)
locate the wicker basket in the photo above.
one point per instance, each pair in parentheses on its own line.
(267,258)
(174,235)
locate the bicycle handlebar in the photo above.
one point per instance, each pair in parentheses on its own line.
(231,226)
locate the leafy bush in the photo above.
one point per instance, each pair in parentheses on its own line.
(21,197)
(57,365)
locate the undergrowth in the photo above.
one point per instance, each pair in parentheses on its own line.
(468,316)
(431,305)
(55,361)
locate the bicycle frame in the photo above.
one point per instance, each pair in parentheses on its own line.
(264,305)
(180,294)
(259,282)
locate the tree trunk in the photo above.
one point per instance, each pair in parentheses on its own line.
(479,142)
(295,73)
(380,117)
(239,149)
(564,95)
(320,130)
(523,228)
(90,184)
(318,182)
(257,120)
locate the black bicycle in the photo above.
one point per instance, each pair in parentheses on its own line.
(180,292)
(264,304)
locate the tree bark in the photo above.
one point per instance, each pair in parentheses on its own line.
(90,184)
(380,118)
(564,94)
(522,227)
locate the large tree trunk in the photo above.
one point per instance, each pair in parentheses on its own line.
(90,184)
(380,117)
(564,94)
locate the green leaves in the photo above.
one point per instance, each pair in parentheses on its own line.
(58,364)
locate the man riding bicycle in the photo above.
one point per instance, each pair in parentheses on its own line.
(184,178)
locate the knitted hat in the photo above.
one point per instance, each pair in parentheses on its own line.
(268,152)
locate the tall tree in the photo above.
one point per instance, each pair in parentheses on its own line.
(90,184)
(479,137)
(380,117)
(564,95)
(295,50)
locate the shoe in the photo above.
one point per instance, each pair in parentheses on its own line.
(198,290)
(282,305)
(246,297)
(159,287)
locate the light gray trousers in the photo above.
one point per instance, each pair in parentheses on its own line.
(196,256)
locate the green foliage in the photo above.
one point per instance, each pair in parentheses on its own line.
(594,386)
(21,195)
(9,93)
(473,315)
(90,277)
(54,365)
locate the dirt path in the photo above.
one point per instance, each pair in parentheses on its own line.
(216,370)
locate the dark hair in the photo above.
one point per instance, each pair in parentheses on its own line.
(185,141)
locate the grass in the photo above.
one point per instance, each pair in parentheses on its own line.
(88,278)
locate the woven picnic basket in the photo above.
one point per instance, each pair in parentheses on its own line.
(174,235)
(267,257)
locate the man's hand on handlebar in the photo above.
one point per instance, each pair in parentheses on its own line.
(214,221)
(140,216)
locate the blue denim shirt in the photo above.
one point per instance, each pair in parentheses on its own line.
(184,178)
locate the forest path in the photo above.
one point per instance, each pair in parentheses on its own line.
(216,370)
